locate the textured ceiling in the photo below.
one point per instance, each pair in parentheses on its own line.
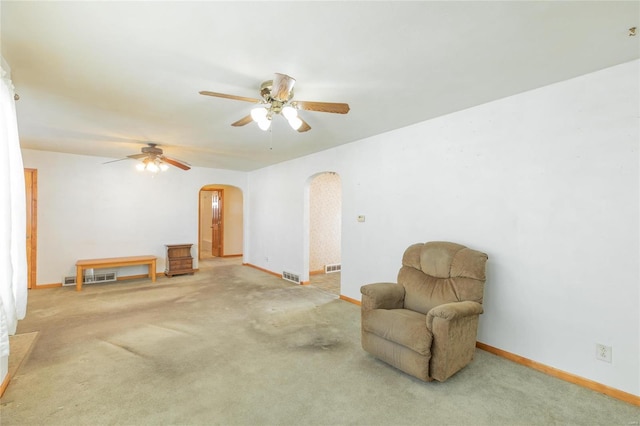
(104,78)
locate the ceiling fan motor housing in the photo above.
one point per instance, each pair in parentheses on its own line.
(267,94)
(151,150)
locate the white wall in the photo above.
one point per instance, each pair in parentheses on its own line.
(545,182)
(4,368)
(233,221)
(87,209)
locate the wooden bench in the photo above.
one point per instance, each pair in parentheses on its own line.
(112,262)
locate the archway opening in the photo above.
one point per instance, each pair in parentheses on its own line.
(325,231)
(220,221)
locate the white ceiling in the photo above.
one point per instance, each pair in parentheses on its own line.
(104,78)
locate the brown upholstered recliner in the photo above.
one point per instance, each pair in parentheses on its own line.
(426,324)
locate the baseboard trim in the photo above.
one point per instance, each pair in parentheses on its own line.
(232,255)
(42,286)
(5,384)
(350,300)
(262,269)
(132,277)
(318,272)
(123,278)
(562,375)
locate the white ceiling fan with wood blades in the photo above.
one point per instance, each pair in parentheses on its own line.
(152,159)
(277,99)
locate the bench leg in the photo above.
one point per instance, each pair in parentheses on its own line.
(79,278)
(152,270)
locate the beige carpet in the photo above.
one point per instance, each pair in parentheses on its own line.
(232,345)
(20,346)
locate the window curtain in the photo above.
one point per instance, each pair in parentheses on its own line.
(13,256)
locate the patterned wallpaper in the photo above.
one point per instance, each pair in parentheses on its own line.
(325,209)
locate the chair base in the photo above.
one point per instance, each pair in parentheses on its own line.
(398,356)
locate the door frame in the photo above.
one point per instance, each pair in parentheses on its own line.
(220,223)
(210,188)
(31,179)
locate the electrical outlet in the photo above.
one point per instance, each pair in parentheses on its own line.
(603,352)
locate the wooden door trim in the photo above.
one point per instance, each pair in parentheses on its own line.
(32,224)
(221,231)
(210,189)
(222,215)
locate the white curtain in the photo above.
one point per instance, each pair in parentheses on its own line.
(13,257)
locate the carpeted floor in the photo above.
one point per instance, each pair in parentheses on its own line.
(232,345)
(327,282)
(20,346)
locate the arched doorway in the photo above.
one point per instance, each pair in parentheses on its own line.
(325,231)
(220,221)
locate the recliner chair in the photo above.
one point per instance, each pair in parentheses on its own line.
(426,324)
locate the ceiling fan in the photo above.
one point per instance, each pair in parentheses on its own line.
(277,99)
(153,160)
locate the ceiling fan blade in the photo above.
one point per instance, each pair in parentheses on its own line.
(176,163)
(136,156)
(113,161)
(337,108)
(243,121)
(282,86)
(234,97)
(304,127)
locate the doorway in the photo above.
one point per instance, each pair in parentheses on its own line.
(217,214)
(220,222)
(31,191)
(325,231)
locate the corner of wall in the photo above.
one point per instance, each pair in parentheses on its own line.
(4,374)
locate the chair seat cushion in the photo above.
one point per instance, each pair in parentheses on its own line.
(402,326)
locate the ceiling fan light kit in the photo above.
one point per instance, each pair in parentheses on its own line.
(153,166)
(277,95)
(265,123)
(152,159)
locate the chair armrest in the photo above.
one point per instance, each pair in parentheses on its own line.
(382,296)
(452,311)
(454,327)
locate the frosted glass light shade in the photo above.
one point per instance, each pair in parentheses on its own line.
(264,123)
(140,167)
(295,123)
(289,112)
(259,113)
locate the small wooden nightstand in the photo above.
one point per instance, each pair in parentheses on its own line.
(179,260)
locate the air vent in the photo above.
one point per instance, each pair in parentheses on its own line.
(103,277)
(289,276)
(336,267)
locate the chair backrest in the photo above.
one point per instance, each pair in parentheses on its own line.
(439,272)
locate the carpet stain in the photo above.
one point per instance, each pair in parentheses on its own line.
(126,348)
(306,327)
(171,329)
(322,340)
